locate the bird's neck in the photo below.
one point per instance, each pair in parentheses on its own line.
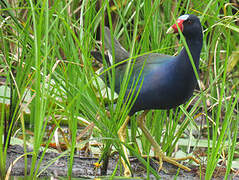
(195,46)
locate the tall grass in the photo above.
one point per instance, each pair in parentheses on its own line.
(45,51)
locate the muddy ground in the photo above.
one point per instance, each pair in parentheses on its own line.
(84,167)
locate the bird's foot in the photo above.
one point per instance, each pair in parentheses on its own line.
(174,162)
(188,158)
(161,157)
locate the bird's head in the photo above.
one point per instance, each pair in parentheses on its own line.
(189,25)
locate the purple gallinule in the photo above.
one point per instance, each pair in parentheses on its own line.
(168,81)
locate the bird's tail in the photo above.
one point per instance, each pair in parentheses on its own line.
(119,52)
(98,56)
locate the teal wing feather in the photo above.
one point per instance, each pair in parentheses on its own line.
(145,63)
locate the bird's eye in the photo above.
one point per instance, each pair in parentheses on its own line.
(189,21)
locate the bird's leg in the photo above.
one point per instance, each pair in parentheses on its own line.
(122,136)
(158,150)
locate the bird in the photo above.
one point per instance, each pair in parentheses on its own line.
(165,81)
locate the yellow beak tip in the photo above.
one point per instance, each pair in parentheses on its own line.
(170,30)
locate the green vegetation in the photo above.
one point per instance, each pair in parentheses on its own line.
(50,80)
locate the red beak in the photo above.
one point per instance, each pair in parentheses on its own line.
(180,20)
(180,25)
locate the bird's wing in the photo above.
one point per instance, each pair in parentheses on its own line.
(148,62)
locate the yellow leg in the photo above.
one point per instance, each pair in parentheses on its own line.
(122,136)
(158,150)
